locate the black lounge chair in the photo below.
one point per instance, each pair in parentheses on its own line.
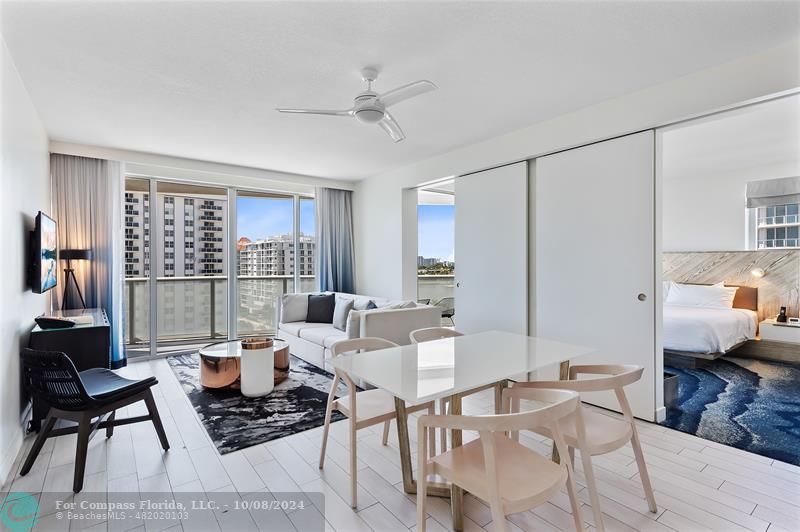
(81,397)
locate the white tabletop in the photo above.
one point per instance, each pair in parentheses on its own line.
(418,373)
(233,348)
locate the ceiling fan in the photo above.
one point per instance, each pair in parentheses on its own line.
(370,107)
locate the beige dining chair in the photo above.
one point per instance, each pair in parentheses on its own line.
(509,476)
(593,433)
(363,409)
(437,333)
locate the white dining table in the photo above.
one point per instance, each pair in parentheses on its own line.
(451,367)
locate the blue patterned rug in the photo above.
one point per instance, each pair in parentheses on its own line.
(748,404)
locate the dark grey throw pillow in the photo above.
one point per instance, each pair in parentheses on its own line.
(320,308)
(371,305)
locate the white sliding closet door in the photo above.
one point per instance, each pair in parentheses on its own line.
(595,271)
(491,250)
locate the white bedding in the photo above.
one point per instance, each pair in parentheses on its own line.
(707,330)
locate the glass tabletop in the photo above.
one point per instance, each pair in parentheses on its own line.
(233,348)
(422,372)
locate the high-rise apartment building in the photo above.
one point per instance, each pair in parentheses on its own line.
(273,256)
(193,234)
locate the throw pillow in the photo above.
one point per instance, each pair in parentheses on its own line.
(294,307)
(320,308)
(341,311)
(371,305)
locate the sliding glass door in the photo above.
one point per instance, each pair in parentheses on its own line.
(181,243)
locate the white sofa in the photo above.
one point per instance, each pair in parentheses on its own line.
(392,320)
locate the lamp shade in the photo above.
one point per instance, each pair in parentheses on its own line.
(75,254)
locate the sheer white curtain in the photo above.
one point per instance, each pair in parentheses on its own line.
(87,196)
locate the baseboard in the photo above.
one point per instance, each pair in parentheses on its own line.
(661,414)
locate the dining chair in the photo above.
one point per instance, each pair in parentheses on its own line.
(437,333)
(363,408)
(593,433)
(508,475)
(81,397)
(448,306)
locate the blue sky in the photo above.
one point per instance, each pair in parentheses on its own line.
(262,217)
(436,231)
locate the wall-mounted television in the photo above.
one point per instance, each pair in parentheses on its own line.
(44,254)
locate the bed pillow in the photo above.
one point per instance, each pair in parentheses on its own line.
(691,295)
(666,285)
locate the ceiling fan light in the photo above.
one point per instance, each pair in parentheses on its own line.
(369,115)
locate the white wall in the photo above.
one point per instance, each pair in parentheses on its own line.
(153,164)
(379,225)
(707,164)
(24,190)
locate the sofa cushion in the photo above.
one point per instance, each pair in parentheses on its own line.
(297,326)
(324,336)
(320,308)
(341,311)
(294,307)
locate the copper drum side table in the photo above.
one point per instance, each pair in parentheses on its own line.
(221,363)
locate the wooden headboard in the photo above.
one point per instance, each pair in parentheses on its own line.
(780,286)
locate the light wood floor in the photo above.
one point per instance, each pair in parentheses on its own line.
(700,485)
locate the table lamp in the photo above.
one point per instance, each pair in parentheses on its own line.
(69,255)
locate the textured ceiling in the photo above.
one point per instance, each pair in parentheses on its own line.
(202,79)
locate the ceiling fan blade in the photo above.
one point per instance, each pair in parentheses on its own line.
(406,91)
(329,112)
(388,124)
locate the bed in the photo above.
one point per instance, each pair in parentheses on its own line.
(692,334)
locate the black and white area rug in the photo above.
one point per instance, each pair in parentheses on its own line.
(749,404)
(235,422)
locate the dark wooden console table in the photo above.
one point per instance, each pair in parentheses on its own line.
(87,344)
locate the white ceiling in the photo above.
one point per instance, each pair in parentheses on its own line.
(201,79)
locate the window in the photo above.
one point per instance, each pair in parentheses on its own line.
(777,226)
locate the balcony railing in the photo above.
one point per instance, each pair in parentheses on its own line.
(788,219)
(435,287)
(195,309)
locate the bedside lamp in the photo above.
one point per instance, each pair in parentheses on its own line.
(69,273)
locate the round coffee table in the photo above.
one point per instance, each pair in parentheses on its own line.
(220,363)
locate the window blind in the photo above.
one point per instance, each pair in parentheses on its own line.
(773,192)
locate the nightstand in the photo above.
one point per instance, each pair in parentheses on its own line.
(772,331)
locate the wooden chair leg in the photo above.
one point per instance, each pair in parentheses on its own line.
(385,439)
(572,491)
(38,444)
(353,464)
(648,488)
(153,411)
(81,450)
(327,426)
(422,479)
(432,440)
(110,424)
(591,485)
(443,432)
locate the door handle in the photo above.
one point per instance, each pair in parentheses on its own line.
(642,296)
(458,285)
